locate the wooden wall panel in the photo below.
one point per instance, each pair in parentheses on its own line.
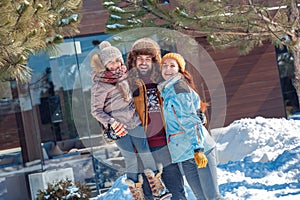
(94,17)
(251,82)
(8,131)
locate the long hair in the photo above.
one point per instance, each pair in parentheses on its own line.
(190,80)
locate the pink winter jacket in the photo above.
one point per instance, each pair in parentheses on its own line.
(107,103)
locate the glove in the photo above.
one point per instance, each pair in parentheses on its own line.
(202,116)
(109,135)
(200,159)
(119,128)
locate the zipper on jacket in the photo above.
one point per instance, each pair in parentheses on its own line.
(174,111)
(145,104)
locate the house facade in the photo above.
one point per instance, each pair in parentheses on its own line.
(46,124)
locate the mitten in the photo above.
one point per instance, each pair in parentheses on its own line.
(109,135)
(119,128)
(200,159)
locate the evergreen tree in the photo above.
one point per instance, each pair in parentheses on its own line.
(243,24)
(30,26)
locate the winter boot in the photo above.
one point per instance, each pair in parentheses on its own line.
(157,186)
(136,188)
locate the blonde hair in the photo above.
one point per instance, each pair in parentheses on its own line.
(96,64)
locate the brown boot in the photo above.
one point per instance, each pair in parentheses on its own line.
(136,188)
(157,186)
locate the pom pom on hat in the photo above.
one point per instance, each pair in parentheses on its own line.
(103,45)
(106,53)
(179,59)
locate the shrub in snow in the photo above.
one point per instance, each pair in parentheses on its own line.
(64,189)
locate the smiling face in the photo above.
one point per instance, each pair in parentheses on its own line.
(114,65)
(144,64)
(169,68)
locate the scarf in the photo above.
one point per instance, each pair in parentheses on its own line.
(110,77)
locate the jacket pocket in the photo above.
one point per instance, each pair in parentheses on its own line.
(179,146)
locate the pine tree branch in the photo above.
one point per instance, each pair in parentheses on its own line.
(27,27)
(195,32)
(270,24)
(157,12)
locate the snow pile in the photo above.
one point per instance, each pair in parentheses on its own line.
(259,159)
(261,139)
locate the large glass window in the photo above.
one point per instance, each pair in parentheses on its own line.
(46,124)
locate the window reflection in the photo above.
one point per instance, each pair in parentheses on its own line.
(46,124)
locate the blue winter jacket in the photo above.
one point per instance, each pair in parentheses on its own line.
(184,130)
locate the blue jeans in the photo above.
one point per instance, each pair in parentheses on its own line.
(135,140)
(171,175)
(203,181)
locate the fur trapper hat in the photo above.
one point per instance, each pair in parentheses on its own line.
(179,59)
(106,53)
(143,46)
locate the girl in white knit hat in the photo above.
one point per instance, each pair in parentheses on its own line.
(112,105)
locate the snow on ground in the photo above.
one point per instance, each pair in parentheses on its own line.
(259,159)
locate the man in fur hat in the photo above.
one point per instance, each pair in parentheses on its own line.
(144,75)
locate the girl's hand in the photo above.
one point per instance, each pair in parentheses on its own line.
(119,128)
(200,159)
